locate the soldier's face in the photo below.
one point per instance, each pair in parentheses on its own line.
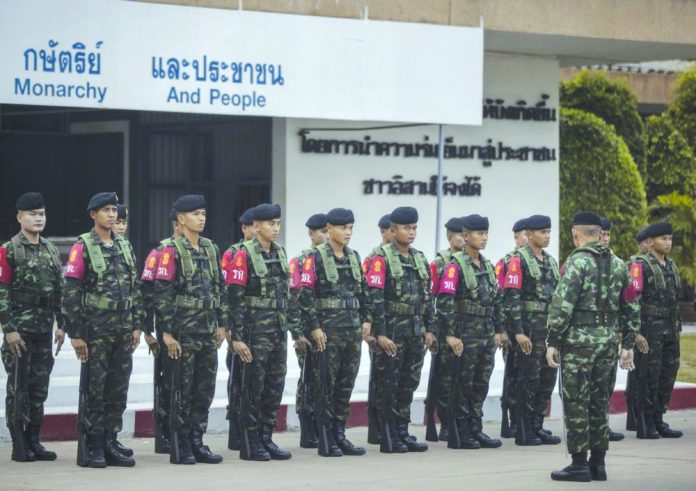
(539,238)
(477,239)
(457,241)
(521,239)
(605,237)
(404,234)
(661,245)
(340,234)
(193,220)
(105,217)
(387,235)
(319,236)
(33,221)
(248,232)
(268,230)
(121,227)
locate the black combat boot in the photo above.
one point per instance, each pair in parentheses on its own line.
(339,433)
(18,437)
(185,453)
(662,428)
(95,453)
(122,449)
(615,436)
(35,445)
(464,440)
(273,450)
(112,456)
(394,443)
(202,452)
(443,436)
(631,424)
(544,436)
(326,444)
(257,451)
(646,426)
(525,434)
(578,471)
(598,470)
(312,438)
(476,427)
(409,440)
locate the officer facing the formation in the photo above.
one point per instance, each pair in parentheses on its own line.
(530,280)
(656,278)
(403,317)
(592,299)
(30,290)
(103,317)
(188,298)
(121,225)
(334,302)
(257,286)
(318,235)
(455,238)
(472,324)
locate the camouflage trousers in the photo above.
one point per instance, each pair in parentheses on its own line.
(309,377)
(343,352)
(38,365)
(477,362)
(587,357)
(198,372)
(267,379)
(110,366)
(408,363)
(663,365)
(443,379)
(536,388)
(165,382)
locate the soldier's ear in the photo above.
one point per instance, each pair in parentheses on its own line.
(19,216)
(92,214)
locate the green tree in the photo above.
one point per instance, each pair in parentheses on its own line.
(597,173)
(671,162)
(680,211)
(683,107)
(611,100)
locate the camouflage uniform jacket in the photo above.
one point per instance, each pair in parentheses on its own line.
(659,286)
(147,285)
(297,322)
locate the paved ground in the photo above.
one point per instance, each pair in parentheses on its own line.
(632,465)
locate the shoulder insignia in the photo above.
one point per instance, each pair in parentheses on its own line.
(376,273)
(513,276)
(166,269)
(76,267)
(150,269)
(238,273)
(5,268)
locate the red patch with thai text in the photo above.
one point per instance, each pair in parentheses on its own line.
(5,268)
(635,287)
(376,273)
(150,268)
(295,274)
(434,280)
(513,275)
(238,273)
(226,265)
(166,269)
(308,278)
(500,274)
(76,267)
(450,280)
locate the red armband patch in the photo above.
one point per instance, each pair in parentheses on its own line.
(449,280)
(376,273)
(237,270)
(150,268)
(166,269)
(500,274)
(434,280)
(309,275)
(513,276)
(365,264)
(226,266)
(5,268)
(637,277)
(76,267)
(295,274)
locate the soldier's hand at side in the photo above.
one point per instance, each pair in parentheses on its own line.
(242,351)
(455,344)
(505,341)
(524,342)
(16,343)
(430,342)
(642,343)
(371,342)
(152,344)
(136,339)
(366,330)
(387,345)
(302,344)
(58,340)
(173,346)
(552,357)
(626,359)
(81,349)
(220,335)
(319,338)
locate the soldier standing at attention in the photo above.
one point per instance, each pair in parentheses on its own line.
(592,298)
(103,316)
(121,225)
(30,290)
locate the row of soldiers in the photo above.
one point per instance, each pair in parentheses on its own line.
(460,308)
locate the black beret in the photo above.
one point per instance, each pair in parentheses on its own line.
(30,201)
(538,222)
(189,202)
(475,222)
(404,215)
(640,235)
(606,223)
(100,200)
(587,218)
(454,225)
(247,217)
(172,215)
(520,225)
(340,216)
(657,230)
(315,222)
(265,212)
(384,222)
(122,212)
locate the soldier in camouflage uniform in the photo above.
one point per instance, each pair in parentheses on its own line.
(403,317)
(455,238)
(257,287)
(657,280)
(121,225)
(592,298)
(471,322)
(333,299)
(191,312)
(530,280)
(103,316)
(297,324)
(30,289)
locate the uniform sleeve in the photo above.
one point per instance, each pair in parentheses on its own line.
(510,303)
(563,301)
(375,298)
(307,296)
(236,297)
(363,298)
(71,301)
(6,261)
(629,313)
(222,312)
(430,318)
(147,291)
(137,309)
(446,297)
(294,314)
(57,294)
(165,292)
